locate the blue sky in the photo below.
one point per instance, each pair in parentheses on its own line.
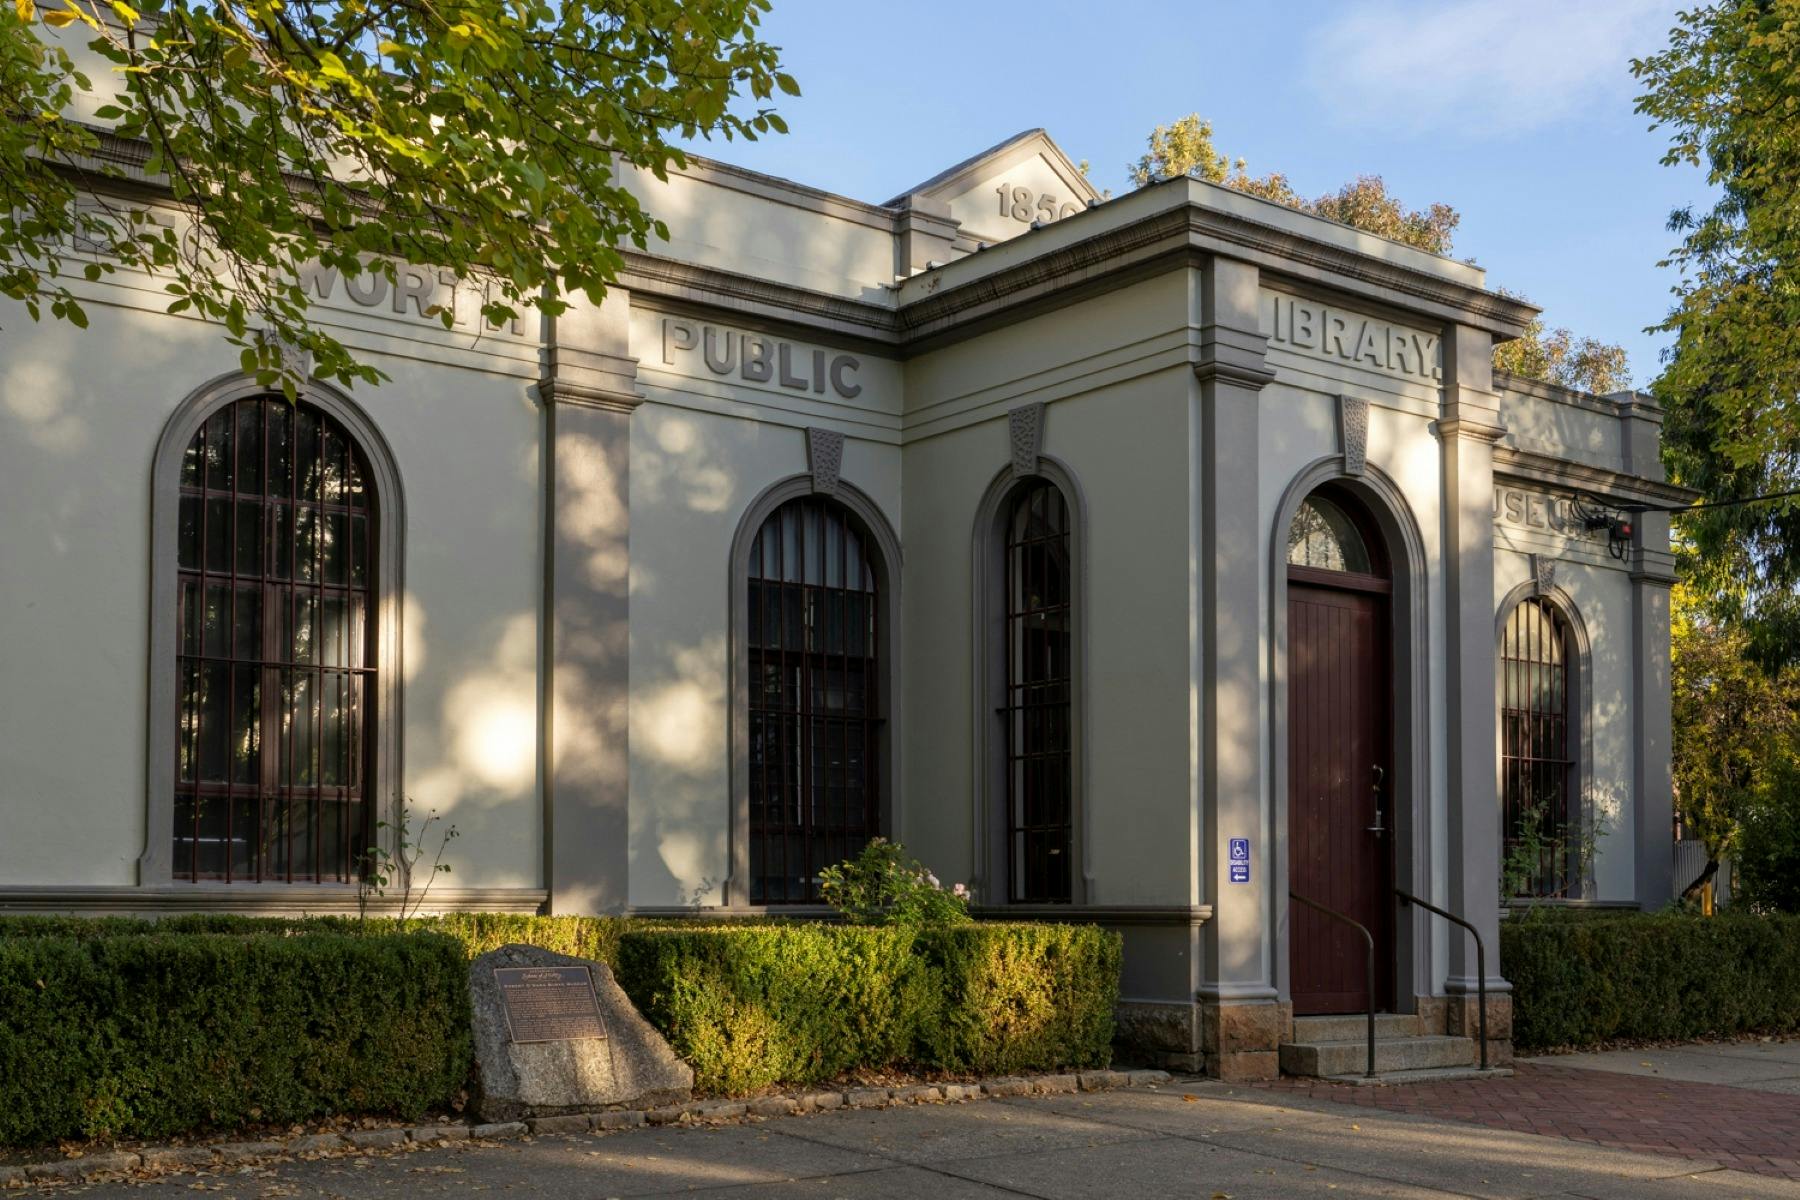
(1518,113)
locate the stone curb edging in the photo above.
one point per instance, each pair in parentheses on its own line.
(169,1159)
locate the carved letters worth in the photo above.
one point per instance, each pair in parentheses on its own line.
(420,292)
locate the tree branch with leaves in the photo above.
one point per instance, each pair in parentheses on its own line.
(491,139)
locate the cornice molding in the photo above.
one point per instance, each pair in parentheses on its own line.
(1169,238)
(1190,236)
(1532,467)
(1493,311)
(713,287)
(1550,393)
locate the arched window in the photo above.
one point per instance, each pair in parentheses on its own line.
(1324,538)
(812,642)
(1039,742)
(275,663)
(1537,750)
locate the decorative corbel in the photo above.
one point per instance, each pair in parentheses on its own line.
(1543,574)
(1353,433)
(1025,429)
(824,458)
(293,359)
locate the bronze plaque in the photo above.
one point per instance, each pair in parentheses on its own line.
(549,1004)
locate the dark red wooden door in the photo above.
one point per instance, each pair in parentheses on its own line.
(1338,704)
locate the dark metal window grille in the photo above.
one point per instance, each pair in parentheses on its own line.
(1536,763)
(1039,686)
(275,662)
(815,708)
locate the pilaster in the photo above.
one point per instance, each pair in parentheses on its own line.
(1241,1025)
(588,392)
(1652,575)
(1468,429)
(924,234)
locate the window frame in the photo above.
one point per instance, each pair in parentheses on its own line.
(155,866)
(990,820)
(1579,735)
(885,557)
(797,711)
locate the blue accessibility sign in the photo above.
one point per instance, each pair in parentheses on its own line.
(1240,872)
(1240,860)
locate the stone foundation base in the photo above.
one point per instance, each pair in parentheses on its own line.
(1462,1019)
(1240,1042)
(1164,1034)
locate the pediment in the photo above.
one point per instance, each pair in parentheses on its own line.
(997,194)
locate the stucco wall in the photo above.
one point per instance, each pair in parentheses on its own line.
(1600,593)
(702,450)
(79,422)
(1114,376)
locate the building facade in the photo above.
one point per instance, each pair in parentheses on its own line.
(1146,562)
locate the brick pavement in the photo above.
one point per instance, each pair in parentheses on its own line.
(1733,1126)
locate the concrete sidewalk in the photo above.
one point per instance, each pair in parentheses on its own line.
(1192,1139)
(1771,1066)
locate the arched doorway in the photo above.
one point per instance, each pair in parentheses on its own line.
(1341,823)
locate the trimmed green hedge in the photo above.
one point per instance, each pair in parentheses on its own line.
(752,1006)
(158,1034)
(583,937)
(1021,997)
(1650,976)
(120,1026)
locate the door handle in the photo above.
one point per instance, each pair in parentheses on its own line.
(1378,829)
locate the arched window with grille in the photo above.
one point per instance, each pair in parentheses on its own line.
(1541,814)
(275,666)
(1038,704)
(815,675)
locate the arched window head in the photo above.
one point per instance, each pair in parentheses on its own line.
(814,676)
(1325,538)
(275,647)
(1537,754)
(1039,742)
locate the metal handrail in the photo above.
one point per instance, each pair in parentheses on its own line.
(1480,960)
(1369,962)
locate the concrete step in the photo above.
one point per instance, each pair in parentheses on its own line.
(1393,1054)
(1353,1027)
(1427,1075)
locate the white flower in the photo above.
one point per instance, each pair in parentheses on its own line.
(960,891)
(933,879)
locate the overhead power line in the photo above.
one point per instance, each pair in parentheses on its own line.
(1678,509)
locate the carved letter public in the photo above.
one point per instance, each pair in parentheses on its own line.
(758,359)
